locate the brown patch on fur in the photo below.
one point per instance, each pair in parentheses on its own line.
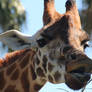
(50,78)
(25,60)
(66,49)
(40,72)
(11,88)
(14,56)
(15,75)
(45,58)
(37,61)
(10,69)
(45,63)
(37,87)
(51,55)
(61,60)
(39,53)
(33,73)
(2,80)
(24,81)
(50,67)
(57,76)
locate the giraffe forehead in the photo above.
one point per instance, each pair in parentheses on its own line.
(56,43)
(70,38)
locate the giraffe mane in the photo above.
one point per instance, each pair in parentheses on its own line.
(13,56)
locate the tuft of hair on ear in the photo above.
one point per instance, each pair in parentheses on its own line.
(70,3)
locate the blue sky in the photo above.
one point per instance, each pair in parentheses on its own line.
(34,11)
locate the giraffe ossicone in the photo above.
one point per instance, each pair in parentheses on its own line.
(55,53)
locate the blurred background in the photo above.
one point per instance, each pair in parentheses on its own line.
(26,16)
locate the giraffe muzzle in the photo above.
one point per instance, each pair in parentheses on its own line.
(76,81)
(83,64)
(78,72)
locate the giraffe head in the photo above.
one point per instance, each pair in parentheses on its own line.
(63,46)
(60,49)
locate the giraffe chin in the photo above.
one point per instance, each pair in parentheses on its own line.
(76,81)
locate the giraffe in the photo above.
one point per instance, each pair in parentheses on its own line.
(55,54)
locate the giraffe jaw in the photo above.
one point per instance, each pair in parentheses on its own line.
(77,79)
(78,73)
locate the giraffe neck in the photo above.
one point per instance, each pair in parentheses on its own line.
(18,73)
(49,69)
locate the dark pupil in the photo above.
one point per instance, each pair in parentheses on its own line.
(41,42)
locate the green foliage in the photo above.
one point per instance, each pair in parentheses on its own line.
(86,16)
(87,2)
(12,14)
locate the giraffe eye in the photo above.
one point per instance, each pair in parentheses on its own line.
(41,42)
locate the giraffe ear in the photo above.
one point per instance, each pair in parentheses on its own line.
(16,40)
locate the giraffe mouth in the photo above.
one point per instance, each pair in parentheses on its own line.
(80,74)
(78,70)
(77,78)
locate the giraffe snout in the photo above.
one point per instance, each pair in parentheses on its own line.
(78,72)
(82,63)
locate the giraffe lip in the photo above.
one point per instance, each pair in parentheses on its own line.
(76,81)
(80,74)
(77,78)
(80,70)
(82,78)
